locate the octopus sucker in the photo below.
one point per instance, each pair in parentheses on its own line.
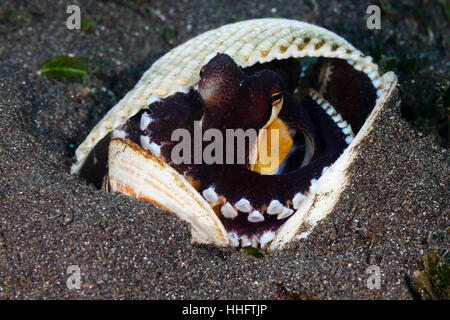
(300,97)
(228,211)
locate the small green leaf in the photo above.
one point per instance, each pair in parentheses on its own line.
(254,252)
(87,24)
(65,68)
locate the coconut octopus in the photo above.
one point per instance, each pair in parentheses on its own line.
(316,102)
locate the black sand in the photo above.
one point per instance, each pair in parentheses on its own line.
(394,211)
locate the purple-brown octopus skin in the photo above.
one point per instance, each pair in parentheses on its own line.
(230,98)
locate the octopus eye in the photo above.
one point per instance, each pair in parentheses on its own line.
(202,70)
(277,96)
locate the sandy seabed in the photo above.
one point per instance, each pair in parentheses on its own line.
(395,209)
